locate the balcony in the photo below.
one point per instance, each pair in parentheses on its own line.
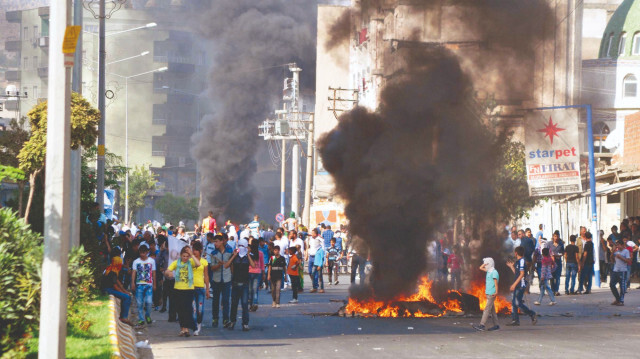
(43,72)
(13,45)
(43,11)
(158,153)
(12,75)
(43,41)
(14,16)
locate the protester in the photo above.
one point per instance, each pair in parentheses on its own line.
(182,271)
(621,259)
(586,265)
(112,285)
(318,264)
(255,273)
(276,265)
(556,248)
(241,262)
(200,286)
(546,273)
(254,227)
(333,256)
(571,258)
(209,224)
(314,243)
(518,287)
(454,262)
(143,283)
(220,262)
(491,290)
(292,270)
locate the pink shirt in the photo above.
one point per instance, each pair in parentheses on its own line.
(260,267)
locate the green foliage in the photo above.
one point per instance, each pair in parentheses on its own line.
(84,131)
(141,181)
(114,173)
(175,209)
(11,142)
(21,254)
(11,173)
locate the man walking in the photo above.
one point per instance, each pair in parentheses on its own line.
(220,262)
(586,265)
(518,287)
(315,242)
(621,259)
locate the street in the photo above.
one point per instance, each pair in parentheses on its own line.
(584,326)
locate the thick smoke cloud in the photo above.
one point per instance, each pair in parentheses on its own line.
(425,153)
(251,39)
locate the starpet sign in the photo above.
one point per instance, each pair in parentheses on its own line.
(552,152)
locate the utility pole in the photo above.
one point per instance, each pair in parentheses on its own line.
(282,175)
(76,155)
(53,307)
(295,153)
(306,215)
(102,57)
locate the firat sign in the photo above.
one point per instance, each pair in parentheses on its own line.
(553,156)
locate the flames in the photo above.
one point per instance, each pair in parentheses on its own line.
(422,304)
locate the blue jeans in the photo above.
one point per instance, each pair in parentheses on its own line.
(240,293)
(544,285)
(125,302)
(555,283)
(199,298)
(317,277)
(516,302)
(570,276)
(618,277)
(310,267)
(144,295)
(586,277)
(254,283)
(219,289)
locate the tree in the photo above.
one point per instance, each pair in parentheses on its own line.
(114,173)
(141,181)
(175,209)
(84,131)
(11,142)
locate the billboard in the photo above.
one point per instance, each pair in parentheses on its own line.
(552,152)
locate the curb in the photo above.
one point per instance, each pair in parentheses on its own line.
(121,335)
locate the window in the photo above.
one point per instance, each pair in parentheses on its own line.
(636,44)
(622,43)
(36,33)
(25,33)
(609,45)
(25,63)
(629,86)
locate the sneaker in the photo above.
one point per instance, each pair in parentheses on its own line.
(335,283)
(536,303)
(587,292)
(513,324)
(566,292)
(149,321)
(615,302)
(140,322)
(620,304)
(321,291)
(313,290)
(534,319)
(277,305)
(252,308)
(293,301)
(226,323)
(231,325)
(214,323)
(479,327)
(196,333)
(496,327)
(127,322)
(255,307)
(273,305)
(245,327)
(552,303)
(557,294)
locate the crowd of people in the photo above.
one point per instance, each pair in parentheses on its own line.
(535,255)
(229,265)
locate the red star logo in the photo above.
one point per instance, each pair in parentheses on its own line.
(551,130)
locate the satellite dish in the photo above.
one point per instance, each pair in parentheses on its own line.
(11,90)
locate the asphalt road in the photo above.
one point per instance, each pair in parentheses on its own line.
(585,326)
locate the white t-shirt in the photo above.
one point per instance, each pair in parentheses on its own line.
(314,244)
(284,246)
(245,234)
(144,268)
(297,242)
(232,231)
(254,229)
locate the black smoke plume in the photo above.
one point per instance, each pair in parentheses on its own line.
(426,153)
(251,40)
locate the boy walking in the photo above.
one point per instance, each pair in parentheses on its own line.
(518,287)
(332,260)
(622,260)
(277,265)
(292,271)
(491,290)
(142,283)
(318,263)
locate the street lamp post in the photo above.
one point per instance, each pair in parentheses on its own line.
(126,135)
